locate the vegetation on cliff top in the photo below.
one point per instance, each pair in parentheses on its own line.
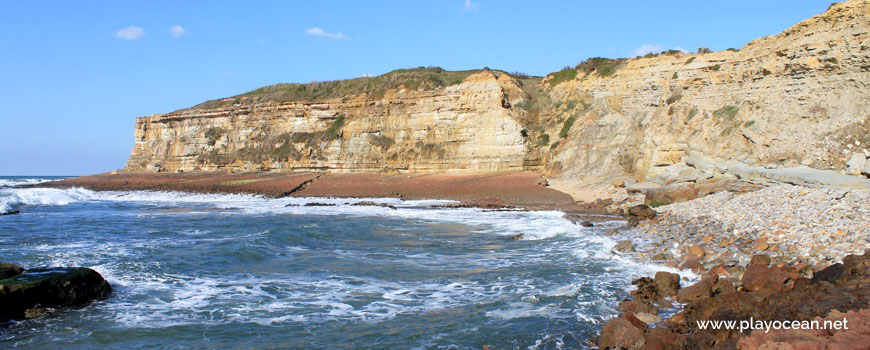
(599,65)
(426,78)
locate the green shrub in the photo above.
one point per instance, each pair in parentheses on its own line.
(565,74)
(335,128)
(732,49)
(704,50)
(570,104)
(600,65)
(566,126)
(675,76)
(691,59)
(213,134)
(748,123)
(716,67)
(544,139)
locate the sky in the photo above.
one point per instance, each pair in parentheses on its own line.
(74,75)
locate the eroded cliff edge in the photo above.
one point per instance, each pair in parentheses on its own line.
(799,98)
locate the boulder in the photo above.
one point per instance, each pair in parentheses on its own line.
(647,291)
(764,280)
(621,334)
(642,212)
(625,246)
(760,259)
(696,250)
(586,224)
(834,274)
(518,237)
(637,307)
(11,212)
(701,290)
(663,339)
(667,283)
(49,288)
(9,270)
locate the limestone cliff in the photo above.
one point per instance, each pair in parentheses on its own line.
(785,100)
(796,98)
(469,126)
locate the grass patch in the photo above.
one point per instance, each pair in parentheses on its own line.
(656,204)
(543,139)
(334,129)
(748,123)
(601,66)
(566,126)
(570,104)
(213,134)
(726,113)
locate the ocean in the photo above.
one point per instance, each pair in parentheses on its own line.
(209,271)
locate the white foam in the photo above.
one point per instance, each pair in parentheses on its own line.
(10,197)
(22,181)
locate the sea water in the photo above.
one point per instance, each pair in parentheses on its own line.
(206,271)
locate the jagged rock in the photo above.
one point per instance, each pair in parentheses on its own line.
(701,290)
(637,307)
(642,212)
(586,224)
(373,204)
(49,288)
(518,237)
(763,279)
(620,333)
(11,212)
(647,291)
(318,204)
(668,283)
(663,339)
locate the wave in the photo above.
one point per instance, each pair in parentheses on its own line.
(23,181)
(12,197)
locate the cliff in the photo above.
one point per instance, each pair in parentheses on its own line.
(799,98)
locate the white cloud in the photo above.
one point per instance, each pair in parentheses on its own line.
(470,6)
(680,49)
(177,31)
(647,48)
(322,33)
(130,33)
(366,75)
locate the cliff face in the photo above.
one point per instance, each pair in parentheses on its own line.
(464,127)
(797,98)
(785,100)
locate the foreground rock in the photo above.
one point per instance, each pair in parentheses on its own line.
(11,212)
(29,293)
(766,293)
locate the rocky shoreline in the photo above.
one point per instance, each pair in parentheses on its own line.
(787,253)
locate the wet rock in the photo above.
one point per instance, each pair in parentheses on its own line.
(834,274)
(631,317)
(855,262)
(637,307)
(318,204)
(642,212)
(700,290)
(632,222)
(586,224)
(667,283)
(373,204)
(49,288)
(760,259)
(9,270)
(625,246)
(11,212)
(647,291)
(621,334)
(518,237)
(693,265)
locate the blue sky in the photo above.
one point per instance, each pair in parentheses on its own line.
(75,75)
